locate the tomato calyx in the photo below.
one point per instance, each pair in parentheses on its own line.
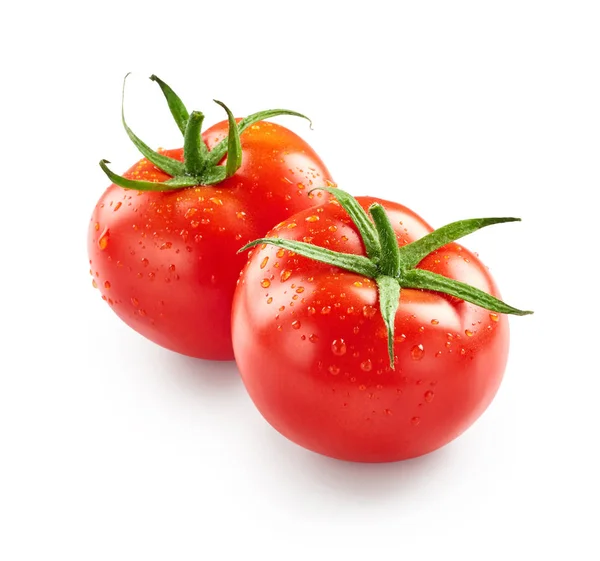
(394,267)
(200,166)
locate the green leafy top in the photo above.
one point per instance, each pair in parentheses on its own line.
(394,267)
(200,166)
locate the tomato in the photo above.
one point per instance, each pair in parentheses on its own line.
(312,344)
(166,261)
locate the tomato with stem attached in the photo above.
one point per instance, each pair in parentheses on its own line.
(163,238)
(369,337)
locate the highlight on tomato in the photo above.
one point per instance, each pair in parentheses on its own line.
(163,238)
(362,334)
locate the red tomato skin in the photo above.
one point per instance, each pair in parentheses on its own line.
(311,345)
(166,262)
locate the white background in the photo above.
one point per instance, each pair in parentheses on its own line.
(114,449)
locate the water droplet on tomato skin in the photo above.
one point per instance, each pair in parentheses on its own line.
(313,338)
(334,370)
(264,262)
(103,239)
(369,311)
(417,352)
(415,421)
(494,317)
(265,283)
(366,366)
(94,283)
(338,347)
(145,262)
(325,310)
(313,218)
(468,333)
(107,285)
(435,322)
(428,396)
(97,226)
(296,324)
(135,302)
(285,275)
(117,206)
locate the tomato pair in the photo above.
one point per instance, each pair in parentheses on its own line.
(359,332)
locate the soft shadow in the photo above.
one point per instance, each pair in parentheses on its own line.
(352,481)
(201,376)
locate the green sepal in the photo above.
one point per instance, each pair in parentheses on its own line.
(140,185)
(389,300)
(349,261)
(234,144)
(413,253)
(360,218)
(168,165)
(178,109)
(423,279)
(219,151)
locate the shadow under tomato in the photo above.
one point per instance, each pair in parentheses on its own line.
(199,375)
(352,480)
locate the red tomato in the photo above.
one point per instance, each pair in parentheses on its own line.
(312,348)
(166,262)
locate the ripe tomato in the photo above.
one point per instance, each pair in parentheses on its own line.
(166,261)
(312,345)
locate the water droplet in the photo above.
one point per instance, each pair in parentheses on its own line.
(166,245)
(205,221)
(269,300)
(285,275)
(171,268)
(145,262)
(415,421)
(296,325)
(265,283)
(387,411)
(311,311)
(280,253)
(428,396)
(216,201)
(117,206)
(313,338)
(468,333)
(142,312)
(300,290)
(107,285)
(463,352)
(358,284)
(435,322)
(194,223)
(103,239)
(312,218)
(369,311)
(356,330)
(151,275)
(399,338)
(94,283)
(338,347)
(332,228)
(135,302)
(291,225)
(264,262)
(190,212)
(366,365)
(334,370)
(494,317)
(417,352)
(97,226)
(325,310)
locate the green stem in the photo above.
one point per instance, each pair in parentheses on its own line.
(194,150)
(389,264)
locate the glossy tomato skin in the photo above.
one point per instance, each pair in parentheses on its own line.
(166,262)
(311,345)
